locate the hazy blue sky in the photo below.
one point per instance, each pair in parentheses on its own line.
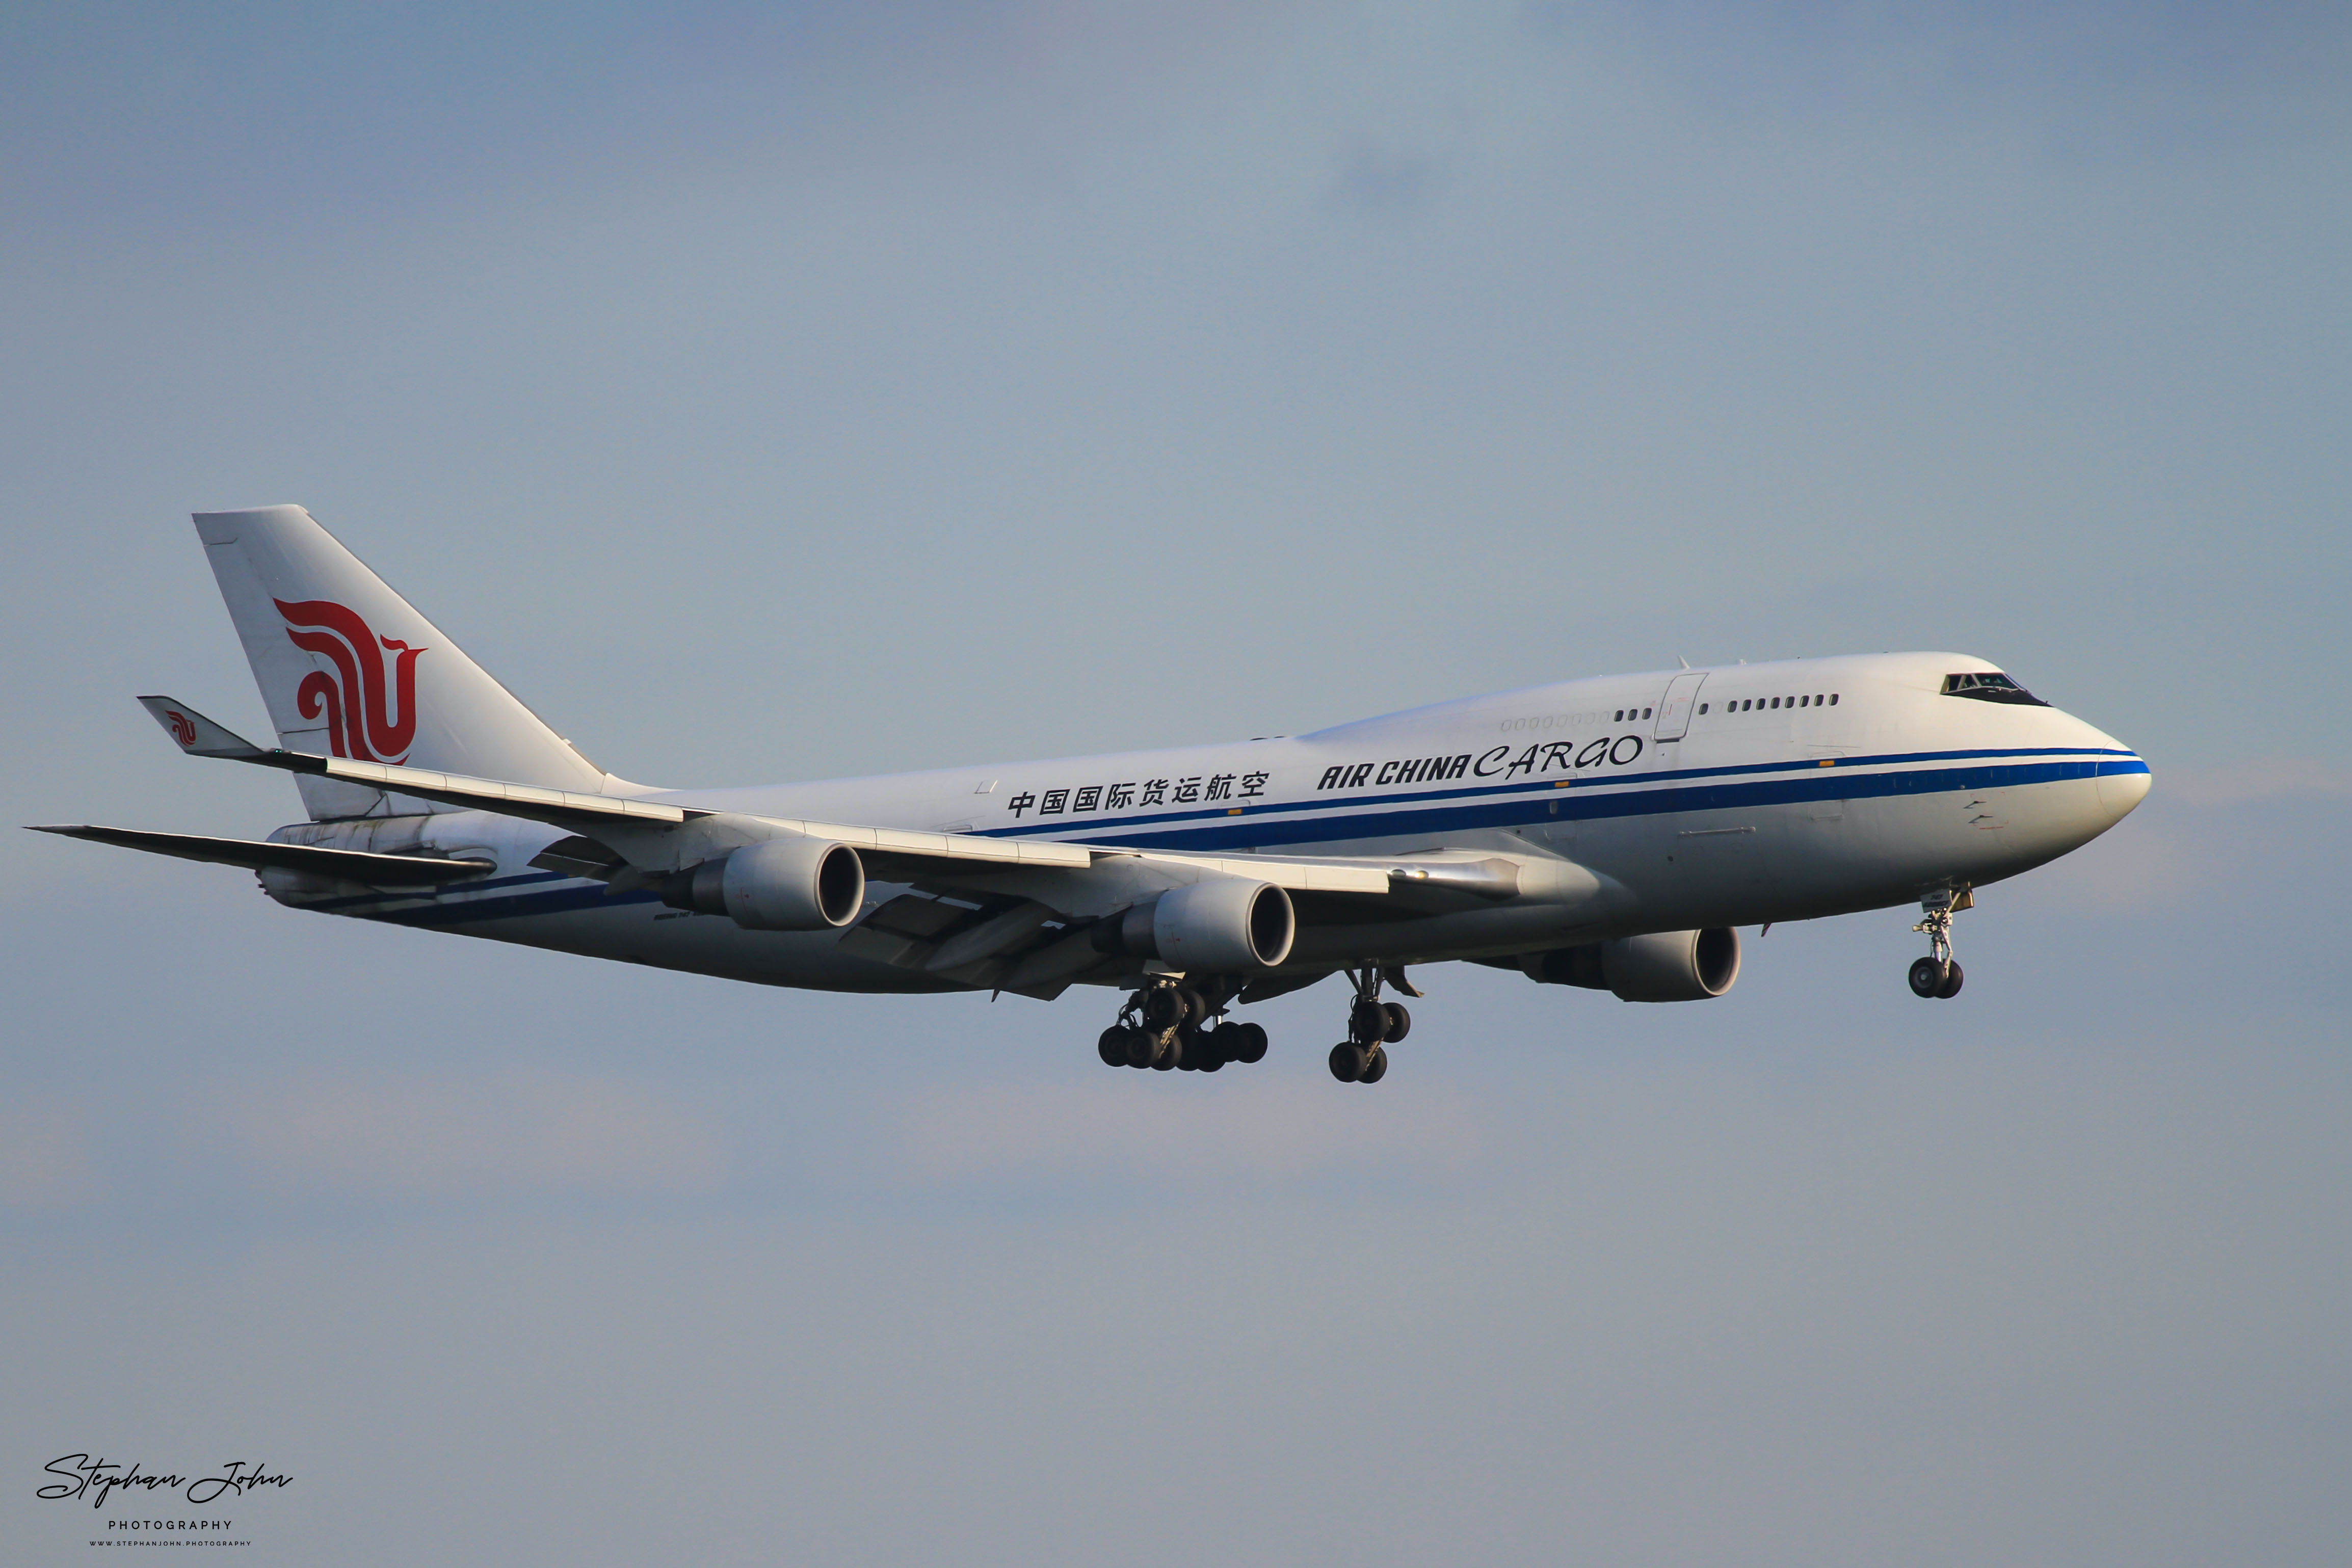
(775,392)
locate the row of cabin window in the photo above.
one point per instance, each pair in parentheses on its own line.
(1745,704)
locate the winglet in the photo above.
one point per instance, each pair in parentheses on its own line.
(196,734)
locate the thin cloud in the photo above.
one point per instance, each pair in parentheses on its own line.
(45,1161)
(2259,778)
(456,1135)
(1130,1128)
(1381,181)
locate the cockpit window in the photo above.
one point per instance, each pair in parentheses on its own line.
(1988,687)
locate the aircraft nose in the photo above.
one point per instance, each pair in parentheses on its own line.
(2123,784)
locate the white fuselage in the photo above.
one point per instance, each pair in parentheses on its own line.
(1735,796)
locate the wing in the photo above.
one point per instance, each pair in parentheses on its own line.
(345,865)
(654,837)
(1015,915)
(600,816)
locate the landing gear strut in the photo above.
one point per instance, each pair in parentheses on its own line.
(1938,974)
(1372,1025)
(1165,1026)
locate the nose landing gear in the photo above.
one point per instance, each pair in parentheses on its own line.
(1938,974)
(1936,977)
(1372,1025)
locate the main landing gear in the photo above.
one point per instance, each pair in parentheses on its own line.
(1938,974)
(1372,1025)
(1166,1025)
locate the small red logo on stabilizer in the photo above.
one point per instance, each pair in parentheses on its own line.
(363,721)
(184,728)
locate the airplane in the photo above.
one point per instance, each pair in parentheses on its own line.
(1611,834)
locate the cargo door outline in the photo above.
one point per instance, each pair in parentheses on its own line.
(1674,707)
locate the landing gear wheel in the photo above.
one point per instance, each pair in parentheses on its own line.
(1249,1043)
(1142,1045)
(1211,1053)
(1372,1024)
(1170,1053)
(1112,1047)
(1164,1008)
(1929,976)
(1937,975)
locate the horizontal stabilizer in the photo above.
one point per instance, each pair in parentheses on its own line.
(344,865)
(198,735)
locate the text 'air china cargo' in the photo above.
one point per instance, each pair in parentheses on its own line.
(1607,833)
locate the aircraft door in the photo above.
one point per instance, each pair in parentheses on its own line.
(1674,713)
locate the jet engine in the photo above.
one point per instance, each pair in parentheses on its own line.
(1658,967)
(783,884)
(1216,926)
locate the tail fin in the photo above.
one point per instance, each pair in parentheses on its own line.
(349,668)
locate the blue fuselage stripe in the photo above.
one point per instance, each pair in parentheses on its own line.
(1401,816)
(1538,786)
(1733,788)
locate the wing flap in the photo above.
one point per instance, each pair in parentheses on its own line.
(1300,875)
(883,844)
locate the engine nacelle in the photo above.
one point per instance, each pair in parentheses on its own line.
(783,884)
(1219,926)
(1658,967)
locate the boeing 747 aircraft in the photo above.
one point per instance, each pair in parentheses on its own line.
(1611,833)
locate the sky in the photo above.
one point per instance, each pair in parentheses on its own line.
(801,391)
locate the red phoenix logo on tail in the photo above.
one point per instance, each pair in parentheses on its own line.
(360,723)
(184,728)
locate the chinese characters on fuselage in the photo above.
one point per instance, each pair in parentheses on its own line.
(1190,790)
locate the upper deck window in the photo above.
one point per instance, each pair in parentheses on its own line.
(1989,688)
